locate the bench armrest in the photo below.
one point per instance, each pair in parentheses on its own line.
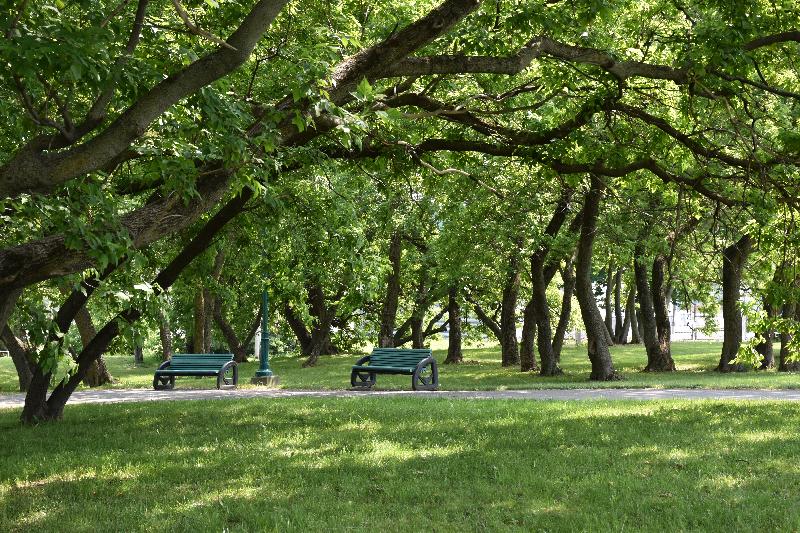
(426,361)
(363,360)
(165,364)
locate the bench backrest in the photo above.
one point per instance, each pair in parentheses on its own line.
(398,356)
(199,361)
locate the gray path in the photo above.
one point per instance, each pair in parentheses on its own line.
(10,401)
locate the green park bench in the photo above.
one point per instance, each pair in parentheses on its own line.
(418,363)
(221,365)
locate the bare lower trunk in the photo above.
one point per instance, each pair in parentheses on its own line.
(733,259)
(596,331)
(299,329)
(527,343)
(637,328)
(165,334)
(454,353)
(542,312)
(508,316)
(208,320)
(764,348)
(661,299)
(97,374)
(392,298)
(630,314)
(237,347)
(323,320)
(607,302)
(658,359)
(619,338)
(568,277)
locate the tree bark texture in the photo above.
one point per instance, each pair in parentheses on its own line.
(733,260)
(658,359)
(238,347)
(568,277)
(392,299)
(764,348)
(18,350)
(596,331)
(607,301)
(165,334)
(508,315)
(661,295)
(454,352)
(527,344)
(199,324)
(630,314)
(98,373)
(618,324)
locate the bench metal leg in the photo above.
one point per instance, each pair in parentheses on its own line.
(363,380)
(163,382)
(228,376)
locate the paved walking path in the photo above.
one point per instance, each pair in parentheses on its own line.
(10,401)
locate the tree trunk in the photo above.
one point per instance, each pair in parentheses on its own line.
(8,300)
(596,331)
(765,347)
(733,259)
(97,374)
(568,277)
(237,347)
(658,360)
(208,320)
(508,316)
(138,356)
(198,338)
(321,329)
(542,312)
(299,329)
(637,327)
(527,344)
(19,356)
(165,333)
(37,405)
(418,313)
(608,309)
(454,353)
(661,295)
(788,311)
(630,314)
(390,302)
(619,333)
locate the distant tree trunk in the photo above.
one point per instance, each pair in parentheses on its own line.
(19,356)
(609,292)
(630,314)
(237,347)
(198,338)
(527,344)
(454,353)
(619,337)
(637,327)
(733,260)
(596,331)
(321,329)
(421,303)
(97,374)
(659,359)
(568,277)
(165,333)
(299,329)
(765,347)
(508,315)
(138,355)
(390,302)
(208,320)
(662,295)
(789,310)
(544,341)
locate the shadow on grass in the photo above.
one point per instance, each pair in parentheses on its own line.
(403,464)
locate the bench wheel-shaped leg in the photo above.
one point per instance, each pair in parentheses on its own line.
(163,382)
(228,376)
(426,375)
(363,380)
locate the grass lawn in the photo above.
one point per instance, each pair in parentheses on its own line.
(404,464)
(481,371)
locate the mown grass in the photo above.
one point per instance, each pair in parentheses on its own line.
(481,371)
(404,464)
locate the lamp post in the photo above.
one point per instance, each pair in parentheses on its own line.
(264,375)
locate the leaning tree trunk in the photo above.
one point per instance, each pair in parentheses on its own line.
(637,326)
(323,321)
(607,302)
(392,299)
(568,277)
(596,331)
(165,334)
(764,348)
(299,329)
(733,259)
(237,347)
(542,312)
(19,356)
(508,316)
(97,374)
(527,344)
(454,353)
(661,299)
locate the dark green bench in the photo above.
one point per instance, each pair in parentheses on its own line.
(221,365)
(418,363)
